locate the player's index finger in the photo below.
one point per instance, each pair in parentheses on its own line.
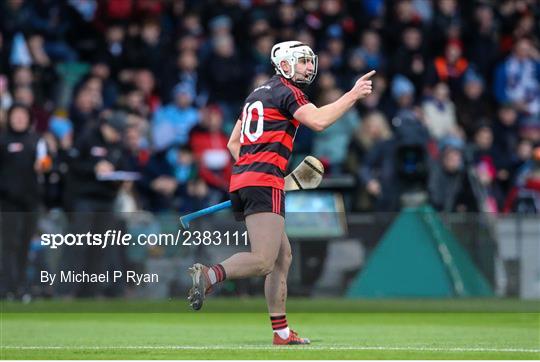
(368,75)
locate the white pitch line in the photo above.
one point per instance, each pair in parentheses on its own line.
(284,348)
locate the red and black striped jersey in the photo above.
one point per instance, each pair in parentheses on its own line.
(267,134)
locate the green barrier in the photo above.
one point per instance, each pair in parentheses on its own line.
(419,257)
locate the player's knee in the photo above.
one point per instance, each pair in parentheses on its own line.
(265,266)
(284,261)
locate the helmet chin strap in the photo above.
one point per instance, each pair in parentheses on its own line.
(301,84)
(292,72)
(304,83)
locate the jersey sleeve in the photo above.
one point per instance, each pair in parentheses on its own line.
(290,98)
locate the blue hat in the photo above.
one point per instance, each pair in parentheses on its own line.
(60,126)
(220,21)
(401,86)
(472,76)
(334,31)
(184,88)
(452,142)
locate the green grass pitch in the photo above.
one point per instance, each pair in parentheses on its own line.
(239,329)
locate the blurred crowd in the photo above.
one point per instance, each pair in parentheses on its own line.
(137,98)
(123,105)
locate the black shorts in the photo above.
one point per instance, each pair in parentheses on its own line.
(255,199)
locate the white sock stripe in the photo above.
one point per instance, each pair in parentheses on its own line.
(212,276)
(283,333)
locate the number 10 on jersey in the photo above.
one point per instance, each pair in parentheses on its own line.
(247,115)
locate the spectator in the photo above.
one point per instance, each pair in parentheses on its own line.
(440,113)
(137,158)
(145,81)
(331,144)
(287,18)
(183,71)
(380,100)
(403,95)
(219,26)
(383,163)
(151,41)
(447,178)
(225,77)
(410,59)
(491,196)
(373,130)
(326,82)
(472,105)
(188,43)
(59,142)
(259,54)
(523,154)
(517,78)
(166,178)
(485,167)
(22,77)
(96,154)
(483,144)
(505,141)
(366,57)
(25,96)
(529,129)
(401,16)
(113,51)
(101,70)
(209,145)
(84,110)
(334,45)
(23,155)
(132,99)
(525,196)
(449,68)
(191,24)
(378,175)
(82,17)
(137,147)
(172,123)
(50,18)
(482,40)
(15,16)
(370,50)
(446,25)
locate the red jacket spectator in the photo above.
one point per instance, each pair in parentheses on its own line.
(449,68)
(209,145)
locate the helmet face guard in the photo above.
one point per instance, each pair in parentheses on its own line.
(305,56)
(294,52)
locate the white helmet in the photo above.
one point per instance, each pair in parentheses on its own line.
(291,51)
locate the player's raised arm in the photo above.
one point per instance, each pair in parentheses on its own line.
(234,141)
(320,118)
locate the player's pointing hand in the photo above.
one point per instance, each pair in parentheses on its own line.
(363,86)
